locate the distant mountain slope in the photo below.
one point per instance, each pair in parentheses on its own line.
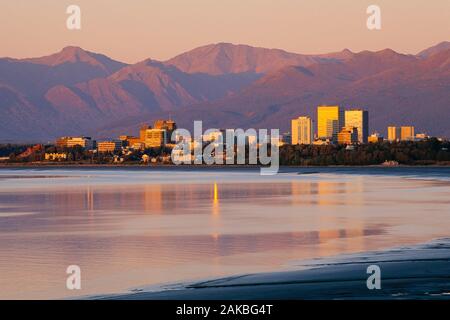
(77,55)
(443,46)
(29,115)
(69,66)
(396,89)
(147,86)
(224,58)
(79,92)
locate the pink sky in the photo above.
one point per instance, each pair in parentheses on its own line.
(134,30)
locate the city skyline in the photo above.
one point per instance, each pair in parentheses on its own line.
(330,120)
(214,83)
(155,144)
(345,126)
(302,130)
(335,125)
(197,152)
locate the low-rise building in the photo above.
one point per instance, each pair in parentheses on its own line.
(421,136)
(375,138)
(118,159)
(145,158)
(138,146)
(322,142)
(55,156)
(348,135)
(129,141)
(71,142)
(109,146)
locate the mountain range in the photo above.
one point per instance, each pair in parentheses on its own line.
(77,92)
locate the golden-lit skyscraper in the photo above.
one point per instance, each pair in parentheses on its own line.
(302,131)
(159,135)
(393,133)
(155,138)
(330,120)
(407,133)
(404,133)
(169,125)
(142,131)
(358,119)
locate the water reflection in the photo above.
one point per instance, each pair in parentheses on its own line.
(215,203)
(130,235)
(166,199)
(89,199)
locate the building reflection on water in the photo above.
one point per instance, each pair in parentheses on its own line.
(215,203)
(89,200)
(179,199)
(195,230)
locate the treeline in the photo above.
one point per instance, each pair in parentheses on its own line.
(10,150)
(77,154)
(431,151)
(427,152)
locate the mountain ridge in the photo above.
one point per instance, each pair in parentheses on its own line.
(75,91)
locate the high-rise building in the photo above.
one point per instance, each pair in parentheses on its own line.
(394,133)
(330,120)
(302,131)
(358,119)
(348,135)
(155,138)
(142,132)
(168,125)
(407,133)
(286,138)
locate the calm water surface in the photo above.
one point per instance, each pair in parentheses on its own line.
(128,228)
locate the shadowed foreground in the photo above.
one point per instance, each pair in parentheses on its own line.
(421,272)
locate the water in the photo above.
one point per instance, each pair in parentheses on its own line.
(127,228)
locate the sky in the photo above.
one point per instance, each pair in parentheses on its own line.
(134,30)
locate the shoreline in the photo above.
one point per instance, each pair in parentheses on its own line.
(415,272)
(234,166)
